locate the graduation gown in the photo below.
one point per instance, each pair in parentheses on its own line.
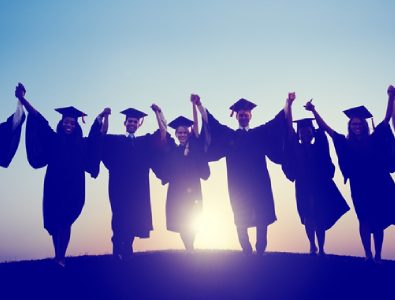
(129,161)
(367,164)
(9,138)
(67,158)
(249,184)
(311,168)
(183,173)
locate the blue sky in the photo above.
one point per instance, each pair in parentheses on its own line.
(93,54)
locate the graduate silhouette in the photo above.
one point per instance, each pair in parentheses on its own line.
(66,154)
(366,159)
(245,150)
(308,164)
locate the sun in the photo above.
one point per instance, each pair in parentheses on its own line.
(215,230)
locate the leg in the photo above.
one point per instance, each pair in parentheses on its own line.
(188,238)
(364,232)
(378,237)
(261,239)
(244,240)
(321,240)
(55,238)
(64,239)
(61,241)
(310,232)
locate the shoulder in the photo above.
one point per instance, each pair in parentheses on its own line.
(114,137)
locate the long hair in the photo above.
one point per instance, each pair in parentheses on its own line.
(365,129)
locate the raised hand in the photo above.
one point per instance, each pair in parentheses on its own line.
(195,99)
(391,91)
(105,112)
(291,98)
(155,108)
(309,105)
(20,91)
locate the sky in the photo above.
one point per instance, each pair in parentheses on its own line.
(119,54)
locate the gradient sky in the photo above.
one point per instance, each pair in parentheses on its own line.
(93,54)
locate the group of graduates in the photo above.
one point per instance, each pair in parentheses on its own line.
(366,159)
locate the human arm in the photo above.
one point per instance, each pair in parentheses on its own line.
(162,124)
(390,105)
(309,106)
(203,112)
(195,127)
(20,93)
(103,119)
(288,108)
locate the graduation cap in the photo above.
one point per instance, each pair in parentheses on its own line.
(358,112)
(72,112)
(180,121)
(303,123)
(242,104)
(133,113)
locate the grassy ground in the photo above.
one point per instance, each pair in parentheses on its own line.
(201,275)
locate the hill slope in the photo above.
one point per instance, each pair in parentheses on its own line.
(202,275)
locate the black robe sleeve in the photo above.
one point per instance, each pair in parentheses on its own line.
(342,152)
(272,136)
(156,149)
(219,137)
(161,163)
(321,142)
(290,161)
(9,138)
(39,137)
(384,140)
(199,153)
(92,155)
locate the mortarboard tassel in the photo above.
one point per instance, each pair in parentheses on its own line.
(373,126)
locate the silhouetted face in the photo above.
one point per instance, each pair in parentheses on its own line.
(131,124)
(69,124)
(244,117)
(306,135)
(182,134)
(356,126)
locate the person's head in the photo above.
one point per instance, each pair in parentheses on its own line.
(68,125)
(182,129)
(357,125)
(358,128)
(182,134)
(244,117)
(243,110)
(305,130)
(133,119)
(131,124)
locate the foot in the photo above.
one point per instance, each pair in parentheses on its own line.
(313,249)
(60,262)
(377,259)
(321,252)
(247,250)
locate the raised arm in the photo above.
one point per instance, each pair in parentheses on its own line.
(20,93)
(390,104)
(103,120)
(195,126)
(162,124)
(393,118)
(320,121)
(288,108)
(203,112)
